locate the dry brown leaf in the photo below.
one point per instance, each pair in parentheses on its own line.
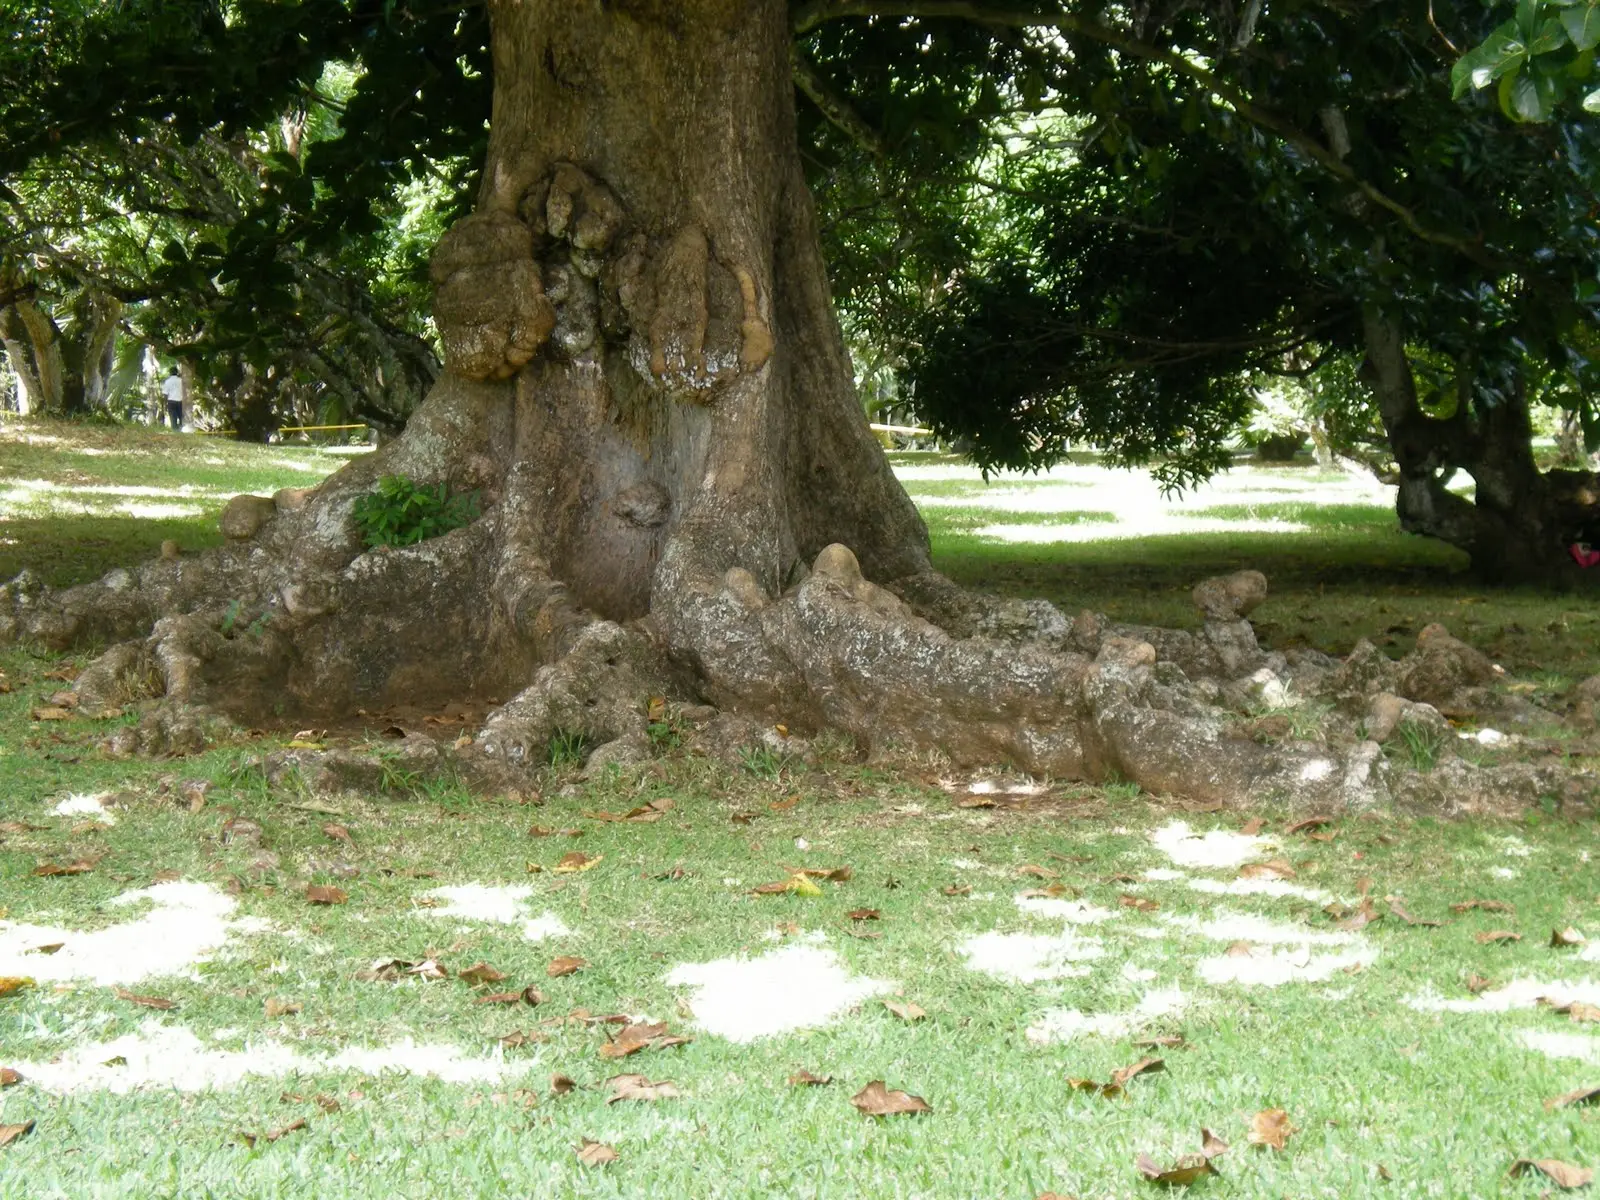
(1211,1145)
(905,1010)
(977,802)
(565,965)
(51,712)
(560,1084)
(517,1038)
(275,1008)
(1498,936)
(1485,905)
(630,1039)
(157,1002)
(540,831)
(576,860)
(250,1139)
(1054,892)
(338,833)
(824,874)
(1166,1041)
(1361,918)
(864,914)
(429,969)
(1271,1127)
(325,1102)
(1584,1014)
(1563,1175)
(963,889)
(9,1077)
(1316,822)
(1273,868)
(596,1154)
(1364,884)
(44,948)
(1566,937)
(1182,1173)
(1252,827)
(807,1079)
(785,805)
(21,827)
(10,1133)
(82,867)
(1239,950)
(637,1087)
(1398,909)
(1477,983)
(878,1101)
(481,972)
(1122,877)
(1580,1096)
(1122,1076)
(324,893)
(1108,1091)
(1038,872)
(1140,903)
(743,818)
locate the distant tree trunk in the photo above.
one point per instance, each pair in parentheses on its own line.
(1520,523)
(62,372)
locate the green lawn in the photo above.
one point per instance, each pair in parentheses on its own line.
(1399,1078)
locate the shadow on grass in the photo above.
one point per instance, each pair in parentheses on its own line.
(67,550)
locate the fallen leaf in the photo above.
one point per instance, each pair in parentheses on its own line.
(655,708)
(82,867)
(339,834)
(1566,937)
(1182,1173)
(743,818)
(1383,1173)
(1252,827)
(1271,1127)
(560,1085)
(1054,892)
(784,805)
(159,1002)
(1109,1091)
(825,874)
(905,1010)
(540,831)
(1239,950)
(429,969)
(1477,983)
(1316,822)
(1583,1095)
(45,948)
(1139,902)
(51,712)
(1122,877)
(1167,1041)
(1398,909)
(596,1154)
(1364,884)
(564,966)
(10,1133)
(878,1101)
(1275,868)
(637,1087)
(963,889)
(21,827)
(1123,1075)
(275,1008)
(864,914)
(576,860)
(481,972)
(9,1077)
(1485,905)
(1037,872)
(977,802)
(250,1139)
(326,1102)
(1362,917)
(630,1039)
(807,1079)
(1579,1012)
(1210,1144)
(1500,936)
(1563,1175)
(517,1038)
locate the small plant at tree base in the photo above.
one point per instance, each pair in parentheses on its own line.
(566,749)
(402,513)
(1422,744)
(763,762)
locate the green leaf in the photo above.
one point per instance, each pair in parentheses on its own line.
(1552,35)
(1591,102)
(1582,26)
(1502,52)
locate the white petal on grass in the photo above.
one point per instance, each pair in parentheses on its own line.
(1073,912)
(1519,993)
(170,1056)
(1029,957)
(86,806)
(1276,888)
(1218,849)
(186,925)
(796,987)
(1277,967)
(1066,1024)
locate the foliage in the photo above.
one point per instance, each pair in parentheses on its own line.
(1537,62)
(403,513)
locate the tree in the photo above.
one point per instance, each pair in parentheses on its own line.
(647,390)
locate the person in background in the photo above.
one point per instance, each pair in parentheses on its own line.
(172,390)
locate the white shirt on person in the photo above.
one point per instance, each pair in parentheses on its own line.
(172,388)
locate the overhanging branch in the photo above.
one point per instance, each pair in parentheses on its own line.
(832,105)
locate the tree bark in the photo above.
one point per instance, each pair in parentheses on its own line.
(62,373)
(647,387)
(1521,523)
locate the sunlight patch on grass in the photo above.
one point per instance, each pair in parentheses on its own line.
(795,987)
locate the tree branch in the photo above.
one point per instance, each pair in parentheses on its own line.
(808,16)
(832,105)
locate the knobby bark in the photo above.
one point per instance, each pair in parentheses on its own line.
(646,384)
(62,371)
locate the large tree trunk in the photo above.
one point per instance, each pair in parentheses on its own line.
(646,384)
(1521,523)
(62,373)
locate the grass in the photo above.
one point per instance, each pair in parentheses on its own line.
(1442,1101)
